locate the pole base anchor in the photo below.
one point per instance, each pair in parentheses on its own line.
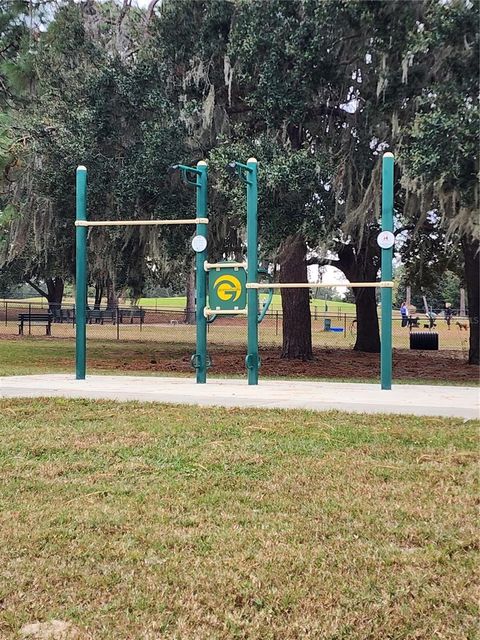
(196,361)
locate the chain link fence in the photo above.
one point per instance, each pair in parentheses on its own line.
(330,329)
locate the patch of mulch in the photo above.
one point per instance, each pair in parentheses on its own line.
(446,366)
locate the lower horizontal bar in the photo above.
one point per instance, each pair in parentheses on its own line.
(136,223)
(318,285)
(223,265)
(224,312)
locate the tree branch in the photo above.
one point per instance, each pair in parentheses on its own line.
(151,9)
(409,227)
(37,288)
(323,262)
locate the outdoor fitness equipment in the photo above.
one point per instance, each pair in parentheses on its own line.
(199,359)
(234,286)
(248,174)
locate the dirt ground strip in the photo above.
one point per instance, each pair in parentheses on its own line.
(327,363)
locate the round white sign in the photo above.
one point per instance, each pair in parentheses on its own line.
(385,239)
(199,244)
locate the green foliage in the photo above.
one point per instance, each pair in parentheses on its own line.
(292,194)
(102,111)
(442,148)
(315,90)
(439,149)
(440,288)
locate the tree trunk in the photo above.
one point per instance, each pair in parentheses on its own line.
(368,337)
(112,297)
(297,321)
(361,265)
(98,296)
(55,288)
(471,248)
(190,304)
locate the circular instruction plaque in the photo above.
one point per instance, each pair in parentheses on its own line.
(199,244)
(385,239)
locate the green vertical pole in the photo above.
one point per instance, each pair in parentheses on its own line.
(201,276)
(387,274)
(252,360)
(81,275)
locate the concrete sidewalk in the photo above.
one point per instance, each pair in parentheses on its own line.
(461,402)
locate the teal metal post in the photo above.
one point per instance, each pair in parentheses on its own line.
(387,274)
(201,276)
(81,275)
(252,360)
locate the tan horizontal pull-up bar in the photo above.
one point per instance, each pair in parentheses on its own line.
(136,223)
(223,265)
(318,285)
(224,312)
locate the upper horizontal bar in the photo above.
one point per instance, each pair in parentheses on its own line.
(136,223)
(318,285)
(221,265)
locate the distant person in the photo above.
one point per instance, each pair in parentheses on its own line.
(448,314)
(431,319)
(404,314)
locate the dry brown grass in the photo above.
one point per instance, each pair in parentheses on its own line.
(147,521)
(270,333)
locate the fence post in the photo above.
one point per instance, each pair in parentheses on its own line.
(345,324)
(117,320)
(462,303)
(276,322)
(29,318)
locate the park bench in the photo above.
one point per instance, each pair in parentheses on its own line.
(30,319)
(131,314)
(99,316)
(62,315)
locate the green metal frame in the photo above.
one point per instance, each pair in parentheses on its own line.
(252,360)
(200,360)
(248,173)
(81,275)
(268,301)
(386,275)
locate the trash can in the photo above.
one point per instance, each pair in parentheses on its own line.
(426,340)
(327,324)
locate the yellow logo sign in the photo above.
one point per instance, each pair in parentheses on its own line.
(228,288)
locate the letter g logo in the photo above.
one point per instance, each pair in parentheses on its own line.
(228,288)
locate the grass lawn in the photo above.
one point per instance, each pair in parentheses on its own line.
(36,355)
(29,356)
(150,521)
(180,303)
